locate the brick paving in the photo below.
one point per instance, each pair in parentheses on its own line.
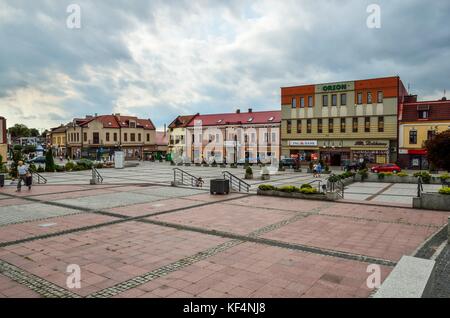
(152,240)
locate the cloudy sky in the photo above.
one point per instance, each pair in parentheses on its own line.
(158,59)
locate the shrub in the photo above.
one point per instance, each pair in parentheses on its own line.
(426,177)
(308,191)
(59,168)
(248,170)
(363,173)
(266,187)
(388,174)
(306,186)
(444,177)
(402,174)
(99,166)
(288,189)
(70,166)
(32,167)
(85,163)
(49,163)
(334,178)
(445,191)
(40,169)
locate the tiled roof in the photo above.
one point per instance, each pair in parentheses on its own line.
(438,110)
(118,121)
(250,118)
(181,121)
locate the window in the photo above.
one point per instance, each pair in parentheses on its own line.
(355,124)
(133,137)
(294,103)
(359,99)
(115,136)
(148,137)
(107,136)
(334,100)
(381,124)
(330,125)
(78,137)
(319,126)
(367,124)
(308,126)
(96,138)
(310,101)
(132,124)
(325,100)
(380,97)
(299,126)
(369,98)
(343,99)
(288,126)
(342,125)
(274,137)
(139,137)
(125,137)
(413,137)
(423,114)
(431,134)
(302,102)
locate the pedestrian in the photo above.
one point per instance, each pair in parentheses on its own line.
(315,170)
(23,173)
(319,169)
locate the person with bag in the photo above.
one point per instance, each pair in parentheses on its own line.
(22,171)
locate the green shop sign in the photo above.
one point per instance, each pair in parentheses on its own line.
(336,87)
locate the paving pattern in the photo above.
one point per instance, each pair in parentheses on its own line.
(135,236)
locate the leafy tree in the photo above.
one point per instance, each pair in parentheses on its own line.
(19,130)
(34,132)
(438,150)
(29,148)
(17,156)
(49,163)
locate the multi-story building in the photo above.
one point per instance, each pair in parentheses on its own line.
(342,121)
(239,137)
(177,134)
(101,136)
(57,139)
(419,122)
(3,140)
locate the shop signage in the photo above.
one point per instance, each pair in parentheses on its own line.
(303,143)
(337,87)
(370,143)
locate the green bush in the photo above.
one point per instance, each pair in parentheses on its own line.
(381,176)
(444,177)
(86,164)
(288,189)
(308,191)
(32,167)
(248,170)
(60,168)
(363,173)
(70,166)
(402,174)
(40,169)
(445,191)
(49,163)
(426,177)
(266,187)
(306,186)
(388,174)
(334,178)
(99,166)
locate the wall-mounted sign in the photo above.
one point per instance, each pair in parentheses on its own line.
(370,143)
(336,87)
(303,143)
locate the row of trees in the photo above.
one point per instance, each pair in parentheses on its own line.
(20,130)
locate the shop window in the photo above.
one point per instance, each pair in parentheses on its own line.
(299,126)
(342,125)
(330,125)
(367,124)
(380,97)
(343,99)
(310,101)
(288,126)
(325,100)
(381,124)
(293,103)
(369,98)
(308,126)
(333,100)
(355,124)
(302,102)
(319,126)
(413,137)
(359,98)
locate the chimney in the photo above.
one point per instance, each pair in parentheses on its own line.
(250,110)
(238,111)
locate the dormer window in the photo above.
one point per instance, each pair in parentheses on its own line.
(132,124)
(271,119)
(219,121)
(250,119)
(109,124)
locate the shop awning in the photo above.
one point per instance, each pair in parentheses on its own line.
(417,152)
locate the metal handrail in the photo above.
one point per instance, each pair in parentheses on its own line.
(39,177)
(183,174)
(96,175)
(336,186)
(319,187)
(237,182)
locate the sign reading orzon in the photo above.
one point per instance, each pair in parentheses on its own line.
(336,87)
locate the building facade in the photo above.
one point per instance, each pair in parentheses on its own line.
(177,135)
(342,122)
(100,136)
(419,122)
(57,140)
(238,137)
(3,140)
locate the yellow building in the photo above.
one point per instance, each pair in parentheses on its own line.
(3,140)
(177,135)
(57,139)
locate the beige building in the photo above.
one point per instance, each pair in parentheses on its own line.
(57,139)
(177,135)
(101,136)
(3,140)
(342,122)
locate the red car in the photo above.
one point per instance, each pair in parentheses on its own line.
(388,167)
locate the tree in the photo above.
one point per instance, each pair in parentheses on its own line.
(438,150)
(34,132)
(29,149)
(19,130)
(49,163)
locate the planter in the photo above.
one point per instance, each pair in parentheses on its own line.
(219,186)
(205,165)
(187,164)
(2,180)
(198,165)
(329,196)
(234,167)
(432,201)
(265,177)
(297,170)
(248,176)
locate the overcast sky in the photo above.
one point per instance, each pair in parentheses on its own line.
(158,59)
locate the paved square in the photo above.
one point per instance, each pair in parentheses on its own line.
(136,236)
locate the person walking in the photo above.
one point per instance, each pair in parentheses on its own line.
(315,170)
(23,173)
(319,169)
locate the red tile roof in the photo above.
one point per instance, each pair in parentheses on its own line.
(119,121)
(181,121)
(250,118)
(438,110)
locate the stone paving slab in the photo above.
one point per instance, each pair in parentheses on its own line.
(253,270)
(106,255)
(12,289)
(206,197)
(41,189)
(383,240)
(29,212)
(74,194)
(12,201)
(13,232)
(169,192)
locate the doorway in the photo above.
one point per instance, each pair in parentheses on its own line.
(335,159)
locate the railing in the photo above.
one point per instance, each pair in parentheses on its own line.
(419,187)
(320,189)
(96,176)
(39,178)
(183,177)
(236,183)
(336,186)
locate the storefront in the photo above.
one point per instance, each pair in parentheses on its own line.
(413,159)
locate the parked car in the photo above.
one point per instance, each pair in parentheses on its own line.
(389,167)
(39,159)
(351,165)
(288,162)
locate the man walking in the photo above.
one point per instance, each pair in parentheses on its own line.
(23,172)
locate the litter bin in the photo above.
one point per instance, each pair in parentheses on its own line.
(2,180)
(219,186)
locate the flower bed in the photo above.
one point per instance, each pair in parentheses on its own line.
(304,192)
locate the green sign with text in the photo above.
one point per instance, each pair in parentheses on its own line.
(336,87)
